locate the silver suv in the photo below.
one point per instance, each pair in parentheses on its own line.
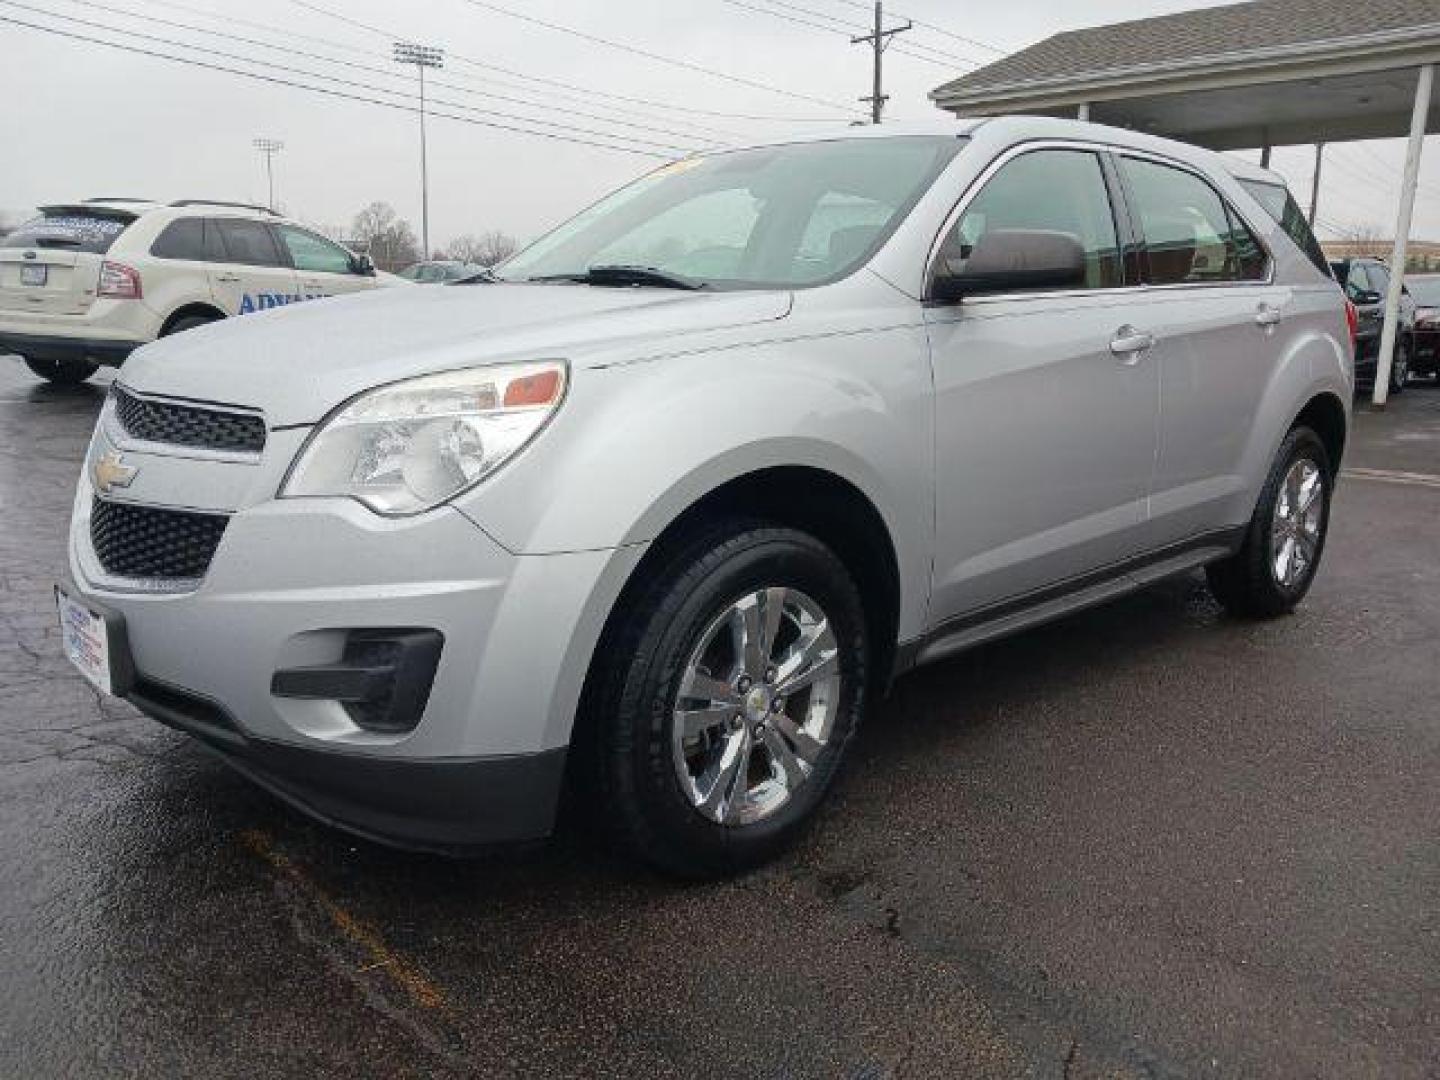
(654,515)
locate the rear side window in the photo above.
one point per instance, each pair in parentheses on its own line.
(1191,235)
(1049,190)
(69,230)
(248,243)
(1281,205)
(182,239)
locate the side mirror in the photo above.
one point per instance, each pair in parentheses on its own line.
(1367,297)
(363,265)
(1012,260)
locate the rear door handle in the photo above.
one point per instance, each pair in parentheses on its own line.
(1128,343)
(1267,316)
(228,279)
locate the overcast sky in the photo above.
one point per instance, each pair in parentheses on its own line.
(80,119)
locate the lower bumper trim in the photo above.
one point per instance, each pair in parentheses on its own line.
(49,347)
(445,805)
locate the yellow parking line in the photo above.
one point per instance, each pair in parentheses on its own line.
(1388,476)
(409,977)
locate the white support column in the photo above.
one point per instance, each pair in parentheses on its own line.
(1418,118)
(1083,112)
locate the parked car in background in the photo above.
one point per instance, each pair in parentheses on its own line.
(1425,288)
(1367,283)
(660,511)
(440,272)
(87,283)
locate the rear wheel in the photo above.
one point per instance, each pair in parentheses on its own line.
(62,372)
(189,322)
(728,699)
(1276,564)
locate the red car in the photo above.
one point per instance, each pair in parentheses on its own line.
(1426,357)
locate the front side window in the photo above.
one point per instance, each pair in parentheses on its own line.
(313,254)
(248,243)
(1191,235)
(1051,191)
(769,217)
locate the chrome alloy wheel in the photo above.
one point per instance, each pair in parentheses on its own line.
(1295,528)
(756,706)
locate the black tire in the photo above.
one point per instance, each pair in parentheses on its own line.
(1246,584)
(62,372)
(631,775)
(1400,369)
(189,322)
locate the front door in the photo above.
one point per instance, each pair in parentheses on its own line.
(248,272)
(1045,402)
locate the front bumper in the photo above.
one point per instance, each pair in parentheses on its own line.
(292,581)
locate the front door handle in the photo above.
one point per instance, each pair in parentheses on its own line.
(1128,343)
(1267,316)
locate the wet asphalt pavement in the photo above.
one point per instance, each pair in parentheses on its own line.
(1146,841)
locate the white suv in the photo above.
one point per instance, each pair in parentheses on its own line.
(85,284)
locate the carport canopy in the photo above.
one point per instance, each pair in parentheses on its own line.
(1260,74)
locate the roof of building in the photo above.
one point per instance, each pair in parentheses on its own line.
(1191,38)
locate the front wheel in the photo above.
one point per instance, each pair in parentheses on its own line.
(1400,368)
(1276,564)
(62,372)
(727,699)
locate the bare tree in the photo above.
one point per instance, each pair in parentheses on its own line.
(1366,241)
(487,249)
(387,237)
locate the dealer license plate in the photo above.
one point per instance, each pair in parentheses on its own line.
(85,639)
(34,275)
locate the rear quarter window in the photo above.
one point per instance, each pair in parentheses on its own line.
(1281,205)
(69,231)
(182,239)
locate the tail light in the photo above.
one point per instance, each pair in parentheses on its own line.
(118,281)
(1352,319)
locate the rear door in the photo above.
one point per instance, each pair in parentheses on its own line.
(248,271)
(322,267)
(51,265)
(1220,329)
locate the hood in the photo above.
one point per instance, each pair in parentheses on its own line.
(299,362)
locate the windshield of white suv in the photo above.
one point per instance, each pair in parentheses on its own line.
(1425,290)
(772,217)
(70,229)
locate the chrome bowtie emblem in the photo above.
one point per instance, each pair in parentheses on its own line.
(110,471)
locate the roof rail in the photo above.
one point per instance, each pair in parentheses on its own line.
(222,202)
(117,198)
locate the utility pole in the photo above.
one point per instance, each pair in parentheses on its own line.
(422,56)
(1315,187)
(877,39)
(269,147)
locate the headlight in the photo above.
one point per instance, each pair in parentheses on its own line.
(412,445)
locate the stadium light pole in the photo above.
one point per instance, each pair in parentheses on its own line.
(269,147)
(422,56)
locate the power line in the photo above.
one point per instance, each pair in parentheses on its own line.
(327,91)
(587,91)
(949,64)
(937,29)
(659,58)
(371,87)
(124,12)
(845,27)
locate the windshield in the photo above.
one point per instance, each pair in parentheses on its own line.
(771,217)
(1425,290)
(69,230)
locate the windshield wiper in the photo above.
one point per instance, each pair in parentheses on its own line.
(483,277)
(621,274)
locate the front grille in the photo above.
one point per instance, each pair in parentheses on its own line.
(146,542)
(188,425)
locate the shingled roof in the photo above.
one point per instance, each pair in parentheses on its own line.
(1193,38)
